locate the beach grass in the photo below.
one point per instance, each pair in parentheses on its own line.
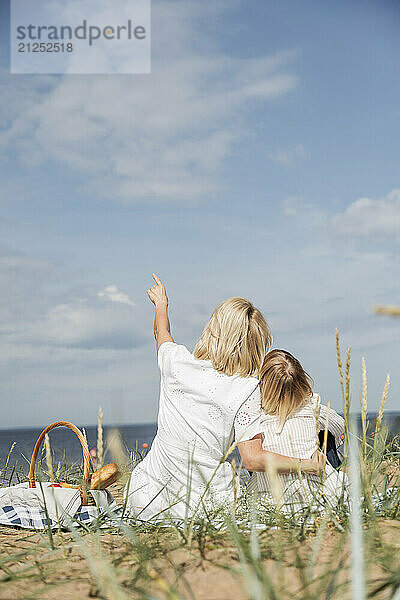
(260,552)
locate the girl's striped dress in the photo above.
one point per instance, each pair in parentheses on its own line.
(298,438)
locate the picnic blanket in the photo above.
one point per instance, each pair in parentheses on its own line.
(45,506)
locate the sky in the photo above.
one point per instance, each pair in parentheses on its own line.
(260,158)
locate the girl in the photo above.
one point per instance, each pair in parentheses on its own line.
(292,418)
(202,397)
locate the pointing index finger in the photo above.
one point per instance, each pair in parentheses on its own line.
(157,279)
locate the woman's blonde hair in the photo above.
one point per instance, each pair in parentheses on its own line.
(284,384)
(235,338)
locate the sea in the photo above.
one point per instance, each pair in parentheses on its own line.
(66,447)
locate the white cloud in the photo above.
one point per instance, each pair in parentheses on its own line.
(64,350)
(31,311)
(23,282)
(89,323)
(300,210)
(287,156)
(371,217)
(112,293)
(292,205)
(18,94)
(161,137)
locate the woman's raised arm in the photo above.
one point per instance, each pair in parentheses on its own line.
(158,296)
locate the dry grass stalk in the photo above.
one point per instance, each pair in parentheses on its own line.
(364,407)
(347,381)
(117,451)
(344,386)
(390,310)
(115,446)
(100,445)
(7,461)
(317,411)
(274,481)
(104,574)
(356,535)
(325,443)
(163,585)
(339,358)
(87,443)
(85,435)
(9,452)
(364,384)
(346,410)
(381,409)
(235,485)
(49,460)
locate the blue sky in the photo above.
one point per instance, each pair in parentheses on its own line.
(260,158)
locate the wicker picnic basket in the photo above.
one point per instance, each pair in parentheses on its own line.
(85,451)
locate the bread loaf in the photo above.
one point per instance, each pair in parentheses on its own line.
(104,477)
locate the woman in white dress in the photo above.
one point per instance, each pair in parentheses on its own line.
(291,421)
(207,399)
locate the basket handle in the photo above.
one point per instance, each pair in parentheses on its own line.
(85,450)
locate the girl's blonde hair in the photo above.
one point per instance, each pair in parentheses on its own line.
(235,338)
(284,384)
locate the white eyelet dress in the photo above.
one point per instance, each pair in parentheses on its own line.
(201,411)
